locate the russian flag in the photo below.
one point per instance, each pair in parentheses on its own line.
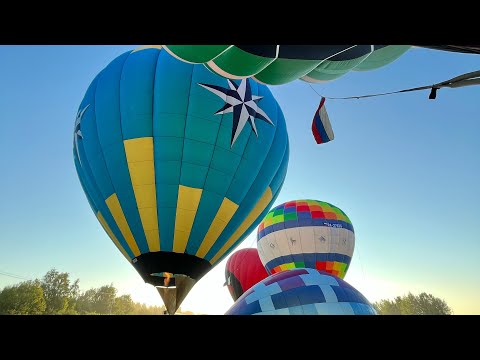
(321,127)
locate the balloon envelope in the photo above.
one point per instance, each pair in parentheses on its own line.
(306,233)
(243,270)
(280,64)
(302,292)
(178,164)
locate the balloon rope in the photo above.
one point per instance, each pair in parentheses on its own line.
(468,79)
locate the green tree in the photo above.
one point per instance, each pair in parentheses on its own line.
(123,305)
(25,298)
(104,299)
(86,301)
(60,294)
(422,304)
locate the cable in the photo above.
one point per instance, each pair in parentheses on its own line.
(468,79)
(13,275)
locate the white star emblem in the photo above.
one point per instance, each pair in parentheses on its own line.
(77,132)
(239,100)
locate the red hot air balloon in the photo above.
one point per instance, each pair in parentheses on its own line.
(243,270)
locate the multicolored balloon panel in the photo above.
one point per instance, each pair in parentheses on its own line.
(302,292)
(306,234)
(177,172)
(243,270)
(280,64)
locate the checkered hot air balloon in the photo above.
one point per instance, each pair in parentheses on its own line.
(302,292)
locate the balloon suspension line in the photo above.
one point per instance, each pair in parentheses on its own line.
(468,79)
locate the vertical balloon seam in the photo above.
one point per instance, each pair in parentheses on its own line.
(112,235)
(229,187)
(283,169)
(99,215)
(244,223)
(227,208)
(86,171)
(243,156)
(258,208)
(168,222)
(90,200)
(110,201)
(137,151)
(273,138)
(246,192)
(96,197)
(225,205)
(133,248)
(92,91)
(253,225)
(102,154)
(126,198)
(153,148)
(179,246)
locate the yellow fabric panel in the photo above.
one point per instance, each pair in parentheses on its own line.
(149,215)
(256,211)
(184,219)
(112,235)
(141,166)
(119,217)
(139,149)
(146,196)
(142,172)
(144,47)
(187,205)
(222,218)
(188,197)
(227,209)
(152,237)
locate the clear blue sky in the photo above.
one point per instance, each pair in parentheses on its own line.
(404,168)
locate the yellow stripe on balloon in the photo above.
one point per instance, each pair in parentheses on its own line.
(141,166)
(144,47)
(119,217)
(112,235)
(254,214)
(187,205)
(222,218)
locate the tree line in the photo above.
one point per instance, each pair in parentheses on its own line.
(57,294)
(421,304)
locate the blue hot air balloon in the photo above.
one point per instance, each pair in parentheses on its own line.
(178,164)
(302,292)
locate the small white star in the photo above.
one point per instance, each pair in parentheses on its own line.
(77,132)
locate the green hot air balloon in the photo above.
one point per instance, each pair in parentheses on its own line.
(280,64)
(178,164)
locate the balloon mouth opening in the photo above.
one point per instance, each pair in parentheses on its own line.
(167,279)
(174,289)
